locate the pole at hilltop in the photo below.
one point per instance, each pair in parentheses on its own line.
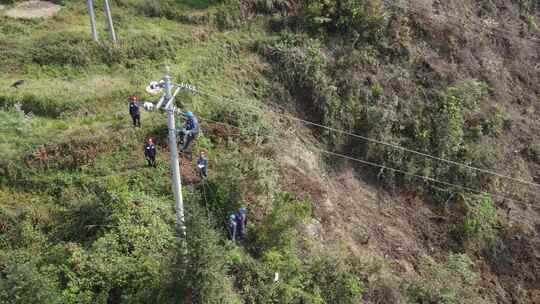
(110,21)
(176,179)
(92,19)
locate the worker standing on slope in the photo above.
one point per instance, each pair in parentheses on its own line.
(231,228)
(241,221)
(134,111)
(191,130)
(202,164)
(150,152)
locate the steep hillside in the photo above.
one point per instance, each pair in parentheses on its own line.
(358,133)
(456,80)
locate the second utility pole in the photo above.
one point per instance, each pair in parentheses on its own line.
(92,19)
(176,180)
(109,21)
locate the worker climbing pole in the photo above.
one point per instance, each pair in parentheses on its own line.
(190,131)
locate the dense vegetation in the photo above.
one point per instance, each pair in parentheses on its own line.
(82,220)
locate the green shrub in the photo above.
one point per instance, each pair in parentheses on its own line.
(366,17)
(497,121)
(326,278)
(252,123)
(219,199)
(202,271)
(448,283)
(142,47)
(533,150)
(39,104)
(528,7)
(127,237)
(68,48)
(64,48)
(335,280)
(253,277)
(278,229)
(274,241)
(448,128)
(105,272)
(229,15)
(241,172)
(449,121)
(12,55)
(13,121)
(302,66)
(377,91)
(270,7)
(452,113)
(168,9)
(8,1)
(16,27)
(481,221)
(24,280)
(8,233)
(165,9)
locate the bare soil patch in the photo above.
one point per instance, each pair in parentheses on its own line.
(353,212)
(33,9)
(190,172)
(69,155)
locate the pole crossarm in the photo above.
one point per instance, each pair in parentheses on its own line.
(170,103)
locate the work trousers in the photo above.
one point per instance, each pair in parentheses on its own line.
(136,120)
(151,161)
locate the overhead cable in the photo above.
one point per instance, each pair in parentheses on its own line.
(376,141)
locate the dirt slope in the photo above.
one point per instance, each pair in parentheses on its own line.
(353,211)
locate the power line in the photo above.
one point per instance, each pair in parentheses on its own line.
(373,164)
(376,141)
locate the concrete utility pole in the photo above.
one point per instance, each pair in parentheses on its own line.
(92,19)
(176,179)
(166,102)
(109,21)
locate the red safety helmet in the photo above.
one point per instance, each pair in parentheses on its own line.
(133,98)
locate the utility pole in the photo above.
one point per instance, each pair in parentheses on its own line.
(92,20)
(109,21)
(166,102)
(176,179)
